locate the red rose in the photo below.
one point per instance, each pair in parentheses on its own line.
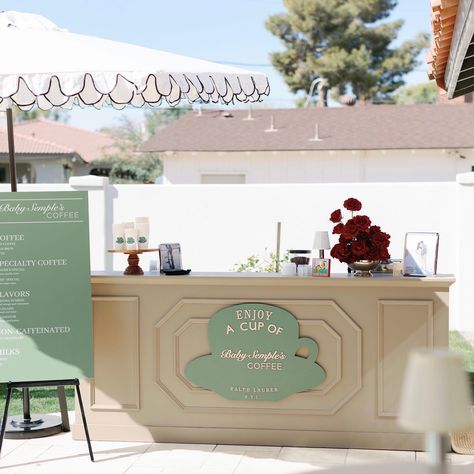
(350,229)
(336,216)
(359,249)
(352,204)
(381,238)
(362,222)
(362,235)
(375,229)
(373,254)
(384,255)
(341,252)
(379,253)
(344,238)
(338,228)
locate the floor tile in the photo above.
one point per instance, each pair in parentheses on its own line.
(273,466)
(170,456)
(21,456)
(220,462)
(242,448)
(314,456)
(451,458)
(367,456)
(460,459)
(62,455)
(113,460)
(10,444)
(144,470)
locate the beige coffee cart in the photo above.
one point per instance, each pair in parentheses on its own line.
(147,328)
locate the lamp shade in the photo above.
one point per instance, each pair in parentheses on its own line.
(435,393)
(321,240)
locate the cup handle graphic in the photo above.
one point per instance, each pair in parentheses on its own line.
(311,345)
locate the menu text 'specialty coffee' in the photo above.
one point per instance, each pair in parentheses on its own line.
(45,295)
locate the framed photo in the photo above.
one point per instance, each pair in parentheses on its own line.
(420,255)
(321,267)
(170,257)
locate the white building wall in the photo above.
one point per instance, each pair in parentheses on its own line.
(48,170)
(320,166)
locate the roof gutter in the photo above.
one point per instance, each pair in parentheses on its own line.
(460,60)
(42,155)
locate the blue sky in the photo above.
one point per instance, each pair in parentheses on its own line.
(217,30)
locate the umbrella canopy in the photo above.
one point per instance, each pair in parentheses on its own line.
(47,66)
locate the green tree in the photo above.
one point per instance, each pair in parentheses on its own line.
(345,45)
(426,93)
(124,164)
(156,119)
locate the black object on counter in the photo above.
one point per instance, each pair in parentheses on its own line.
(297,256)
(177,272)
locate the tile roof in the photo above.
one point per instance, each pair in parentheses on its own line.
(342,128)
(87,144)
(33,146)
(443,19)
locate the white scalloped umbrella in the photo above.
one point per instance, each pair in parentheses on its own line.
(45,66)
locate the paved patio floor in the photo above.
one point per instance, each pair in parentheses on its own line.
(61,454)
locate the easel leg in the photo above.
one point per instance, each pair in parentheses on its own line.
(84,421)
(5,415)
(63,408)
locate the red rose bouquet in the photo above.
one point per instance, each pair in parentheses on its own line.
(358,238)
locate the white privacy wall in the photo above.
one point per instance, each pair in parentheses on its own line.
(221,225)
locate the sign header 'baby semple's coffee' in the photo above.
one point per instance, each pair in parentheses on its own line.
(254,355)
(45,294)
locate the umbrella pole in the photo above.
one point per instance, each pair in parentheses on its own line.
(11,153)
(11,149)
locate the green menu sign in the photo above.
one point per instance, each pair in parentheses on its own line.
(45,293)
(254,355)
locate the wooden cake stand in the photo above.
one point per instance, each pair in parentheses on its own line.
(133,259)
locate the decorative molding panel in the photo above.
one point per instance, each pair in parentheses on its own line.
(116,383)
(403,325)
(183,333)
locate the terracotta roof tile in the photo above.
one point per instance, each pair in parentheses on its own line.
(87,144)
(33,146)
(342,128)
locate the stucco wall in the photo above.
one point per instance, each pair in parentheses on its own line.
(320,167)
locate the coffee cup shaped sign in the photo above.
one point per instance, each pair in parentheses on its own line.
(253,355)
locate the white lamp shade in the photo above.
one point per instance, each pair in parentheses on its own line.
(321,240)
(435,393)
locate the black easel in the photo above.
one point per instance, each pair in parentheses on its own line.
(59,384)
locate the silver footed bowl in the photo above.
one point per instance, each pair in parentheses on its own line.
(363,268)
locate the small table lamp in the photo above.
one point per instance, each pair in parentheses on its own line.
(435,399)
(321,242)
